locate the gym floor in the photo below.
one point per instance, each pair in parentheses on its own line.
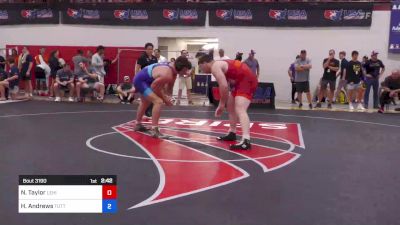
(306,167)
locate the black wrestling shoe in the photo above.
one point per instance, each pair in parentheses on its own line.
(244,145)
(230,137)
(141,128)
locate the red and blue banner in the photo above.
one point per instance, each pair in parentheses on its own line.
(394,34)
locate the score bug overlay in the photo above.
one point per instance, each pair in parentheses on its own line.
(67,194)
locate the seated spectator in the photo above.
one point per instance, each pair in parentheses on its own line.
(390,89)
(89,81)
(10,81)
(64,81)
(126,91)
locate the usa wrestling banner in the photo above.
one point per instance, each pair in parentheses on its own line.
(25,15)
(394,34)
(292,15)
(134,15)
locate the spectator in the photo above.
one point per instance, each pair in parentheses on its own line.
(390,89)
(239,56)
(42,73)
(64,81)
(89,55)
(146,59)
(98,63)
(2,63)
(14,55)
(126,91)
(342,82)
(252,62)
(221,55)
(292,75)
(172,59)
(353,73)
(160,58)
(11,81)
(374,69)
(25,66)
(91,82)
(185,80)
(54,67)
(331,66)
(302,79)
(77,59)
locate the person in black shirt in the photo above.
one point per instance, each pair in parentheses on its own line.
(2,63)
(25,65)
(146,59)
(390,89)
(54,67)
(353,73)
(126,91)
(10,80)
(331,66)
(374,69)
(342,82)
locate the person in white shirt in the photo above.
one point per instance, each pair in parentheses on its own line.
(222,55)
(160,58)
(98,63)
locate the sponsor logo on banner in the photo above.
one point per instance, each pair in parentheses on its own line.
(3,15)
(182,14)
(131,14)
(236,14)
(224,14)
(334,15)
(288,14)
(337,15)
(83,13)
(36,13)
(396,28)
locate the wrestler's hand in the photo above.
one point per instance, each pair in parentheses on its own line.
(219,111)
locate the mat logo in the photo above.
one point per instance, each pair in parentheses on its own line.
(224,14)
(334,15)
(83,13)
(277,14)
(121,14)
(186,162)
(3,15)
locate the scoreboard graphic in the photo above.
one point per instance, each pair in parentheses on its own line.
(67,194)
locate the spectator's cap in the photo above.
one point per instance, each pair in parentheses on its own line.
(303,51)
(126,78)
(252,52)
(62,62)
(375,52)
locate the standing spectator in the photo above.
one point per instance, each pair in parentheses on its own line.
(302,79)
(42,73)
(239,56)
(11,82)
(89,55)
(292,76)
(2,63)
(14,55)
(54,67)
(390,89)
(77,59)
(221,55)
(64,81)
(342,82)
(98,63)
(160,58)
(146,59)
(374,69)
(25,66)
(126,91)
(252,62)
(353,73)
(331,66)
(185,80)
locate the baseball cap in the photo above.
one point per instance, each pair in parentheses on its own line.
(374,52)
